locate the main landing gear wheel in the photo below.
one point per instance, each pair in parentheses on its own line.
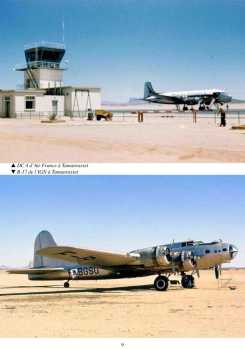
(66,285)
(161,283)
(187,281)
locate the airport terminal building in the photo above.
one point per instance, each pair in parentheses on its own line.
(44,92)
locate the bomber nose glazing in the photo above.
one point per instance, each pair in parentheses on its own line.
(233,251)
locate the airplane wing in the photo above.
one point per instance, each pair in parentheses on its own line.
(169,99)
(164,99)
(35,271)
(86,256)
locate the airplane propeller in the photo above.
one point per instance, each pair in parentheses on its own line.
(218,268)
(197,272)
(192,259)
(217,271)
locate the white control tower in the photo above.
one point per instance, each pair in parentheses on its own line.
(43,70)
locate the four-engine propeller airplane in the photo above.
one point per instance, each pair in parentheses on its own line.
(52,262)
(187,98)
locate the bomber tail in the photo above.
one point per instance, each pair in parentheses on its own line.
(43,240)
(148,90)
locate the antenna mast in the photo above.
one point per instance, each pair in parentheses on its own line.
(63,30)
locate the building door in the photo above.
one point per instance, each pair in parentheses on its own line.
(54,108)
(7,107)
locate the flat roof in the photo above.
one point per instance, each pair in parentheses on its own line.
(44,90)
(46,44)
(29,91)
(32,66)
(83,88)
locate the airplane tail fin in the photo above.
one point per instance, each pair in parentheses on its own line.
(148,90)
(44,239)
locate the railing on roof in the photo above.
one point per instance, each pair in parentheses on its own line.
(41,64)
(45,44)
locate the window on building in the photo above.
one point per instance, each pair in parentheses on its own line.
(30,103)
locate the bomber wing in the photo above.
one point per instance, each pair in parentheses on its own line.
(40,270)
(86,256)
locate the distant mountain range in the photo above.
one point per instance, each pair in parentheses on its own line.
(3,267)
(137,100)
(236,100)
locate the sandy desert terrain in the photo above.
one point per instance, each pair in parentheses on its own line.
(122,308)
(122,140)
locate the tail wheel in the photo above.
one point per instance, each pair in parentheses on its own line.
(161,283)
(187,281)
(66,285)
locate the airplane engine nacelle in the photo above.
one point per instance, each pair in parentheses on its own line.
(162,256)
(191,101)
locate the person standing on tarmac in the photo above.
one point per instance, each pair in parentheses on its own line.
(194,115)
(222,117)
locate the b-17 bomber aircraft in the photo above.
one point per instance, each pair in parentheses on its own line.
(53,262)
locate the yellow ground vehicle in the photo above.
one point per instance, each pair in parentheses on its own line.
(103,114)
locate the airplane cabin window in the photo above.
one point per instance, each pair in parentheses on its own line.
(224,250)
(207,251)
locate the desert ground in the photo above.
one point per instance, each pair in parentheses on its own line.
(157,139)
(123,308)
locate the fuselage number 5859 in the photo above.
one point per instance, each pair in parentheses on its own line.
(84,271)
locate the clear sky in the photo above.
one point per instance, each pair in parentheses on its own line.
(119,213)
(118,44)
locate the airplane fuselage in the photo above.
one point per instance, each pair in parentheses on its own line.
(169,258)
(192,93)
(192,97)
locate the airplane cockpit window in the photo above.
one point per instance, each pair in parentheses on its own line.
(224,249)
(189,243)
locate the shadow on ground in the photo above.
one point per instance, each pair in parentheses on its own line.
(80,290)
